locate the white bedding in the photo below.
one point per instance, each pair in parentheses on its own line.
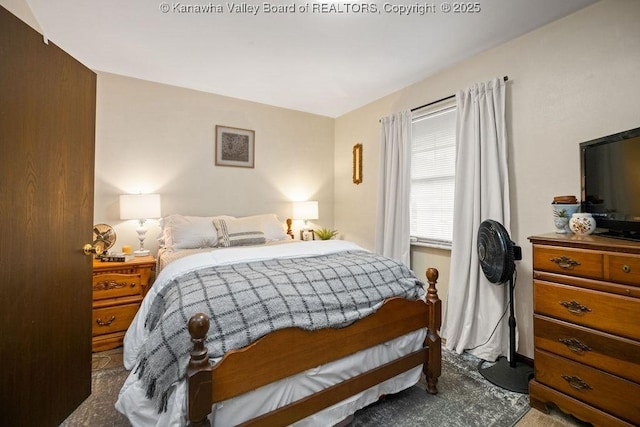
(142,412)
(168,255)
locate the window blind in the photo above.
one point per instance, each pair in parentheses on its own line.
(433,161)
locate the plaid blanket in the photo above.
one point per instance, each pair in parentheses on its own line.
(246,301)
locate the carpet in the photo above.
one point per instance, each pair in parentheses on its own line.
(465,399)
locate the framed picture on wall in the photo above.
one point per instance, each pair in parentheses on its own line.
(235,147)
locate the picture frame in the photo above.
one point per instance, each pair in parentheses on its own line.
(306,235)
(357,164)
(234,147)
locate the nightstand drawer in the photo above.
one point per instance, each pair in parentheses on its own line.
(113,319)
(116,285)
(599,389)
(616,355)
(603,311)
(624,269)
(571,261)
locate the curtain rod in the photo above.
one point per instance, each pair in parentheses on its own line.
(505,78)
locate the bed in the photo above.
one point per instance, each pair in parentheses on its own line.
(317,371)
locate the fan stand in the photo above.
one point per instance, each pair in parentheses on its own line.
(510,375)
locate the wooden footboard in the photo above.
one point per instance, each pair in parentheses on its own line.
(290,351)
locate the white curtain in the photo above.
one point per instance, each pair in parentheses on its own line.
(475,306)
(394,187)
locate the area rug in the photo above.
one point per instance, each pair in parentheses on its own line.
(465,398)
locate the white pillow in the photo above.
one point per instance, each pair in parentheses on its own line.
(272,227)
(189,232)
(239,232)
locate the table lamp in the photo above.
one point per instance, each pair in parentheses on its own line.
(140,207)
(305,211)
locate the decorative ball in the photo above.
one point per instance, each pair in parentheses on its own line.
(582,223)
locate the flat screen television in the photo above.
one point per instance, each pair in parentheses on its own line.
(610,169)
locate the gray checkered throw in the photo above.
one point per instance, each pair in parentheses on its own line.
(249,300)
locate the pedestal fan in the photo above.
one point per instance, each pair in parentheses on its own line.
(497,255)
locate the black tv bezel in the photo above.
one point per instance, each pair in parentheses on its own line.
(613,228)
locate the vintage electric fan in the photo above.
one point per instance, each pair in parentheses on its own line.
(104,237)
(497,255)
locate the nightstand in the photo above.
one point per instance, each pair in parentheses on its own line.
(118,290)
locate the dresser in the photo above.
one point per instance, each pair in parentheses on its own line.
(586,303)
(118,290)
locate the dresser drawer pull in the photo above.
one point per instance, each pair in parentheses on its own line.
(575,345)
(565,262)
(576,382)
(100,322)
(107,285)
(574,307)
(626,268)
(112,284)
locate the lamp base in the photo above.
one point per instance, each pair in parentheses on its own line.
(144,252)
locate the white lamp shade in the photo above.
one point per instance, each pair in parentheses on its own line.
(305,210)
(139,206)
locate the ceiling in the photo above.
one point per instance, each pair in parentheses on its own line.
(328,60)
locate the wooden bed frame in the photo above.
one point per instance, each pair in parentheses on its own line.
(290,351)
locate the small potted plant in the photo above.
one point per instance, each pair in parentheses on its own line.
(563,208)
(560,219)
(325,233)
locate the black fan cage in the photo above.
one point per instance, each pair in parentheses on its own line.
(495,252)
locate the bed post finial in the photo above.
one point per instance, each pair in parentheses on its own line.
(433,368)
(432,278)
(198,328)
(199,383)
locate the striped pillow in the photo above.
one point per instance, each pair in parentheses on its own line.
(239,232)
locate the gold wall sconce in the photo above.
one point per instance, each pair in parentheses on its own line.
(357,163)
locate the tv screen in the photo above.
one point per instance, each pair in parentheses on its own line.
(611,183)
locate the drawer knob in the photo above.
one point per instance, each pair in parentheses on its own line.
(565,262)
(575,307)
(626,268)
(575,345)
(101,322)
(576,382)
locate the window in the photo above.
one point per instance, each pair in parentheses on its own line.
(433,164)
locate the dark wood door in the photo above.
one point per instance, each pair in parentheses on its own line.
(47,133)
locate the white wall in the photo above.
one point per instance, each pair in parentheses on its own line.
(155,138)
(571,81)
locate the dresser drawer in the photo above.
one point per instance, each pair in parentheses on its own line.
(575,262)
(599,389)
(116,285)
(606,312)
(624,269)
(113,319)
(616,355)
